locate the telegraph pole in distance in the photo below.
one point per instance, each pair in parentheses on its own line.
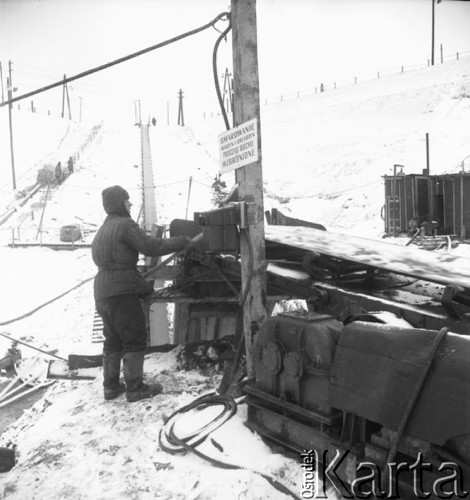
(65,93)
(63,98)
(246,107)
(10,106)
(180,108)
(228,94)
(68,101)
(433,21)
(1,81)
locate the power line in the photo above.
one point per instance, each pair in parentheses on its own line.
(223,15)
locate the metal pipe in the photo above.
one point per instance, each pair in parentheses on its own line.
(31,347)
(462,224)
(432,32)
(10,122)
(427,153)
(454,219)
(394,198)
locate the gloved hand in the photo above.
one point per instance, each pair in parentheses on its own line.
(193,241)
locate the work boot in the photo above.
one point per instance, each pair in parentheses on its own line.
(133,375)
(111,368)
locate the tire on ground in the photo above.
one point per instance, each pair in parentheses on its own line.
(70,233)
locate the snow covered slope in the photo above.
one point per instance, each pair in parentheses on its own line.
(324,154)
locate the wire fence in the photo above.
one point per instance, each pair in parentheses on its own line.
(325,86)
(355,80)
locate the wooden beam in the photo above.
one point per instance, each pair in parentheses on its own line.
(250,180)
(181,299)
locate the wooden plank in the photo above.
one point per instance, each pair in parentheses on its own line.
(182,299)
(443,268)
(285,272)
(180,323)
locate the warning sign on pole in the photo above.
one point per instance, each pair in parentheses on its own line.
(238,146)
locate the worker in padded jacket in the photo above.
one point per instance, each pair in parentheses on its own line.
(118,290)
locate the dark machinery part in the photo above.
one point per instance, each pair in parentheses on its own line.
(325,386)
(346,377)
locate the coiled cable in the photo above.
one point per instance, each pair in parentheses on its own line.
(173,444)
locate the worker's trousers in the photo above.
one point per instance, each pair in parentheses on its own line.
(124,326)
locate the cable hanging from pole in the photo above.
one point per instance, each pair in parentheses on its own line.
(223,16)
(216,78)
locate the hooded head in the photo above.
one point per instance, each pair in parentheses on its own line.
(113,201)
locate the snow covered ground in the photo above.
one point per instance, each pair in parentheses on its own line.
(324,156)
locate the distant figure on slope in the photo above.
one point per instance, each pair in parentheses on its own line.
(154,121)
(118,290)
(58,173)
(70,165)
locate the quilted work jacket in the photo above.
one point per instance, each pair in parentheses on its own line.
(115,250)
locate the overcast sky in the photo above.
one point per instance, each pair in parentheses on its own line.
(302,43)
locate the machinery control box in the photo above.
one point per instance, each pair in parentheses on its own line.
(220,228)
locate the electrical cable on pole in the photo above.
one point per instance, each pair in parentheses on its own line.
(220,17)
(215,72)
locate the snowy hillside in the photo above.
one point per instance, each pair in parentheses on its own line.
(324,156)
(38,140)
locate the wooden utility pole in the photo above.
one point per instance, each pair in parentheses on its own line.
(228,93)
(1,80)
(433,17)
(63,98)
(180,108)
(427,153)
(65,94)
(189,195)
(433,23)
(10,107)
(246,107)
(68,102)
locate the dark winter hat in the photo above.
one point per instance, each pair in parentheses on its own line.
(113,200)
